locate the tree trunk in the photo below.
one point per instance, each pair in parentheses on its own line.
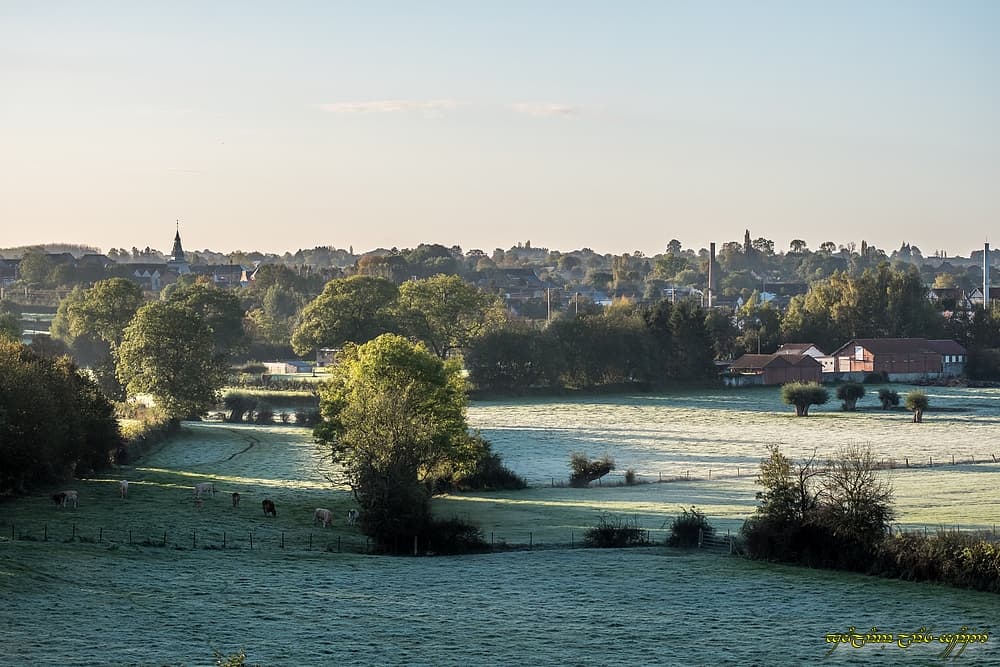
(801,410)
(918,416)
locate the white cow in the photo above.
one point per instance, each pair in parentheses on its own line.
(204,487)
(123,488)
(322,516)
(352,517)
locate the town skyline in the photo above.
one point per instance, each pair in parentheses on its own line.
(615,128)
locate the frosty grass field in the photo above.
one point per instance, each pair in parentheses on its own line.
(96,599)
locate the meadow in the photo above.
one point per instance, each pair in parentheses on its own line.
(96,585)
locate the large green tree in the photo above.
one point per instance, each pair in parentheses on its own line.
(350,310)
(102,311)
(394,419)
(220,309)
(54,422)
(168,351)
(447,313)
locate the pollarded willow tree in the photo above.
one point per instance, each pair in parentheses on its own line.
(394,419)
(168,351)
(803,395)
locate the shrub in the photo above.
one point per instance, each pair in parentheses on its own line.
(453,536)
(950,557)
(585,470)
(630,477)
(686,527)
(850,393)
(804,394)
(876,377)
(888,397)
(614,533)
(307,417)
(492,475)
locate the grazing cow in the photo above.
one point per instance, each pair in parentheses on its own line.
(352,517)
(322,516)
(268,506)
(236,499)
(64,497)
(204,487)
(123,488)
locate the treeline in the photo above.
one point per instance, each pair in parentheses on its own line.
(836,514)
(625,344)
(54,420)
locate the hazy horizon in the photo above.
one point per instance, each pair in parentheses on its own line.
(567,124)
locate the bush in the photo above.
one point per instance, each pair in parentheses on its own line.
(950,557)
(686,527)
(307,417)
(850,393)
(875,378)
(614,533)
(889,398)
(630,477)
(585,470)
(453,536)
(492,475)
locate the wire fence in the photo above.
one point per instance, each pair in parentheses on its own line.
(290,540)
(751,470)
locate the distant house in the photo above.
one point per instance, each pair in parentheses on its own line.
(901,359)
(953,356)
(8,271)
(798,349)
(976,296)
(770,369)
(287,367)
(954,298)
(325,356)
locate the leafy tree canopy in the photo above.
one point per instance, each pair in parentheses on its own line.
(168,351)
(350,310)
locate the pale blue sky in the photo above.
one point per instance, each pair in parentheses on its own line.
(615,126)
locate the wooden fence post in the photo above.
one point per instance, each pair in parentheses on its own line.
(701,537)
(251,539)
(531,541)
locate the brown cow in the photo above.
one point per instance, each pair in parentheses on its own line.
(268,506)
(64,497)
(323,516)
(236,499)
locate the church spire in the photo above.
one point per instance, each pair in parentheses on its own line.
(177,254)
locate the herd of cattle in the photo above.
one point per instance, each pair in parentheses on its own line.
(321,515)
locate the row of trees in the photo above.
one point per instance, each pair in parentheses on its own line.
(803,395)
(622,344)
